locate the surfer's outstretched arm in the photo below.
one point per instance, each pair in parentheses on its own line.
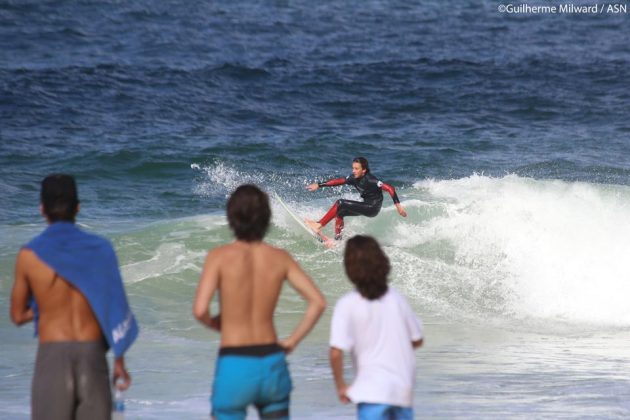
(392,192)
(330,183)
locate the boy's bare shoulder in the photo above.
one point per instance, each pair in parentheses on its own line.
(277,252)
(26,254)
(235,248)
(27,259)
(220,253)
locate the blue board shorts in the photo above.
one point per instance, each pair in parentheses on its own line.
(369,411)
(256,375)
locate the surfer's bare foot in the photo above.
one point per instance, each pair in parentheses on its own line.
(313,225)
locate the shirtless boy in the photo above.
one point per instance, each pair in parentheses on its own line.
(248,274)
(71,374)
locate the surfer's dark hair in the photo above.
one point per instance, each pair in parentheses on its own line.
(367,266)
(59,198)
(363,162)
(248,213)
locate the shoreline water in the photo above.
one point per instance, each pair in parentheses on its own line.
(484,354)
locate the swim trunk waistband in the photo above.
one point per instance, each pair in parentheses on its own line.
(258,350)
(96,344)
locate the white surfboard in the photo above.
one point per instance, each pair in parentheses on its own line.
(319,237)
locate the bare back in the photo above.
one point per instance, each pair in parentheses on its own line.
(248,277)
(250,280)
(64,313)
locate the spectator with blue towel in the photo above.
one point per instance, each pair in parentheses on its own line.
(68,282)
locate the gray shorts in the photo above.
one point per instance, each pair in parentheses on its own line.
(71,381)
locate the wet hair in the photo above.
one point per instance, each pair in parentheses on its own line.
(248,213)
(59,198)
(363,162)
(367,266)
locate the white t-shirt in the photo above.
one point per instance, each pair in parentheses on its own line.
(379,335)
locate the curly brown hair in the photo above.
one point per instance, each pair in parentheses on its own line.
(367,266)
(248,213)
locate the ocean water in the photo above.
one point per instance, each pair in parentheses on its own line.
(506,136)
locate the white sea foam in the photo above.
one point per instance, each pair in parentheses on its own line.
(168,258)
(221,178)
(507,248)
(541,249)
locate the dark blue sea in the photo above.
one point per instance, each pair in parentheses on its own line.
(506,135)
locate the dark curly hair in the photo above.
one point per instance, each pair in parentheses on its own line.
(248,213)
(367,266)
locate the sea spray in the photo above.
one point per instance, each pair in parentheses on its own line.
(545,249)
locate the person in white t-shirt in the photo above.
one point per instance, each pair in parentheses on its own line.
(377,325)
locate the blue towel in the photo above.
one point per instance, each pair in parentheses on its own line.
(89,263)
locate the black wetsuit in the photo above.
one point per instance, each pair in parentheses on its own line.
(371,190)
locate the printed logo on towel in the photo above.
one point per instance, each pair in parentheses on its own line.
(121,330)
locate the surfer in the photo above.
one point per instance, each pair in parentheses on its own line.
(371,190)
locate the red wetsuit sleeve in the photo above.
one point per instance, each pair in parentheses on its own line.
(391,190)
(332,182)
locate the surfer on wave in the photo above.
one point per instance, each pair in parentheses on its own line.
(371,190)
